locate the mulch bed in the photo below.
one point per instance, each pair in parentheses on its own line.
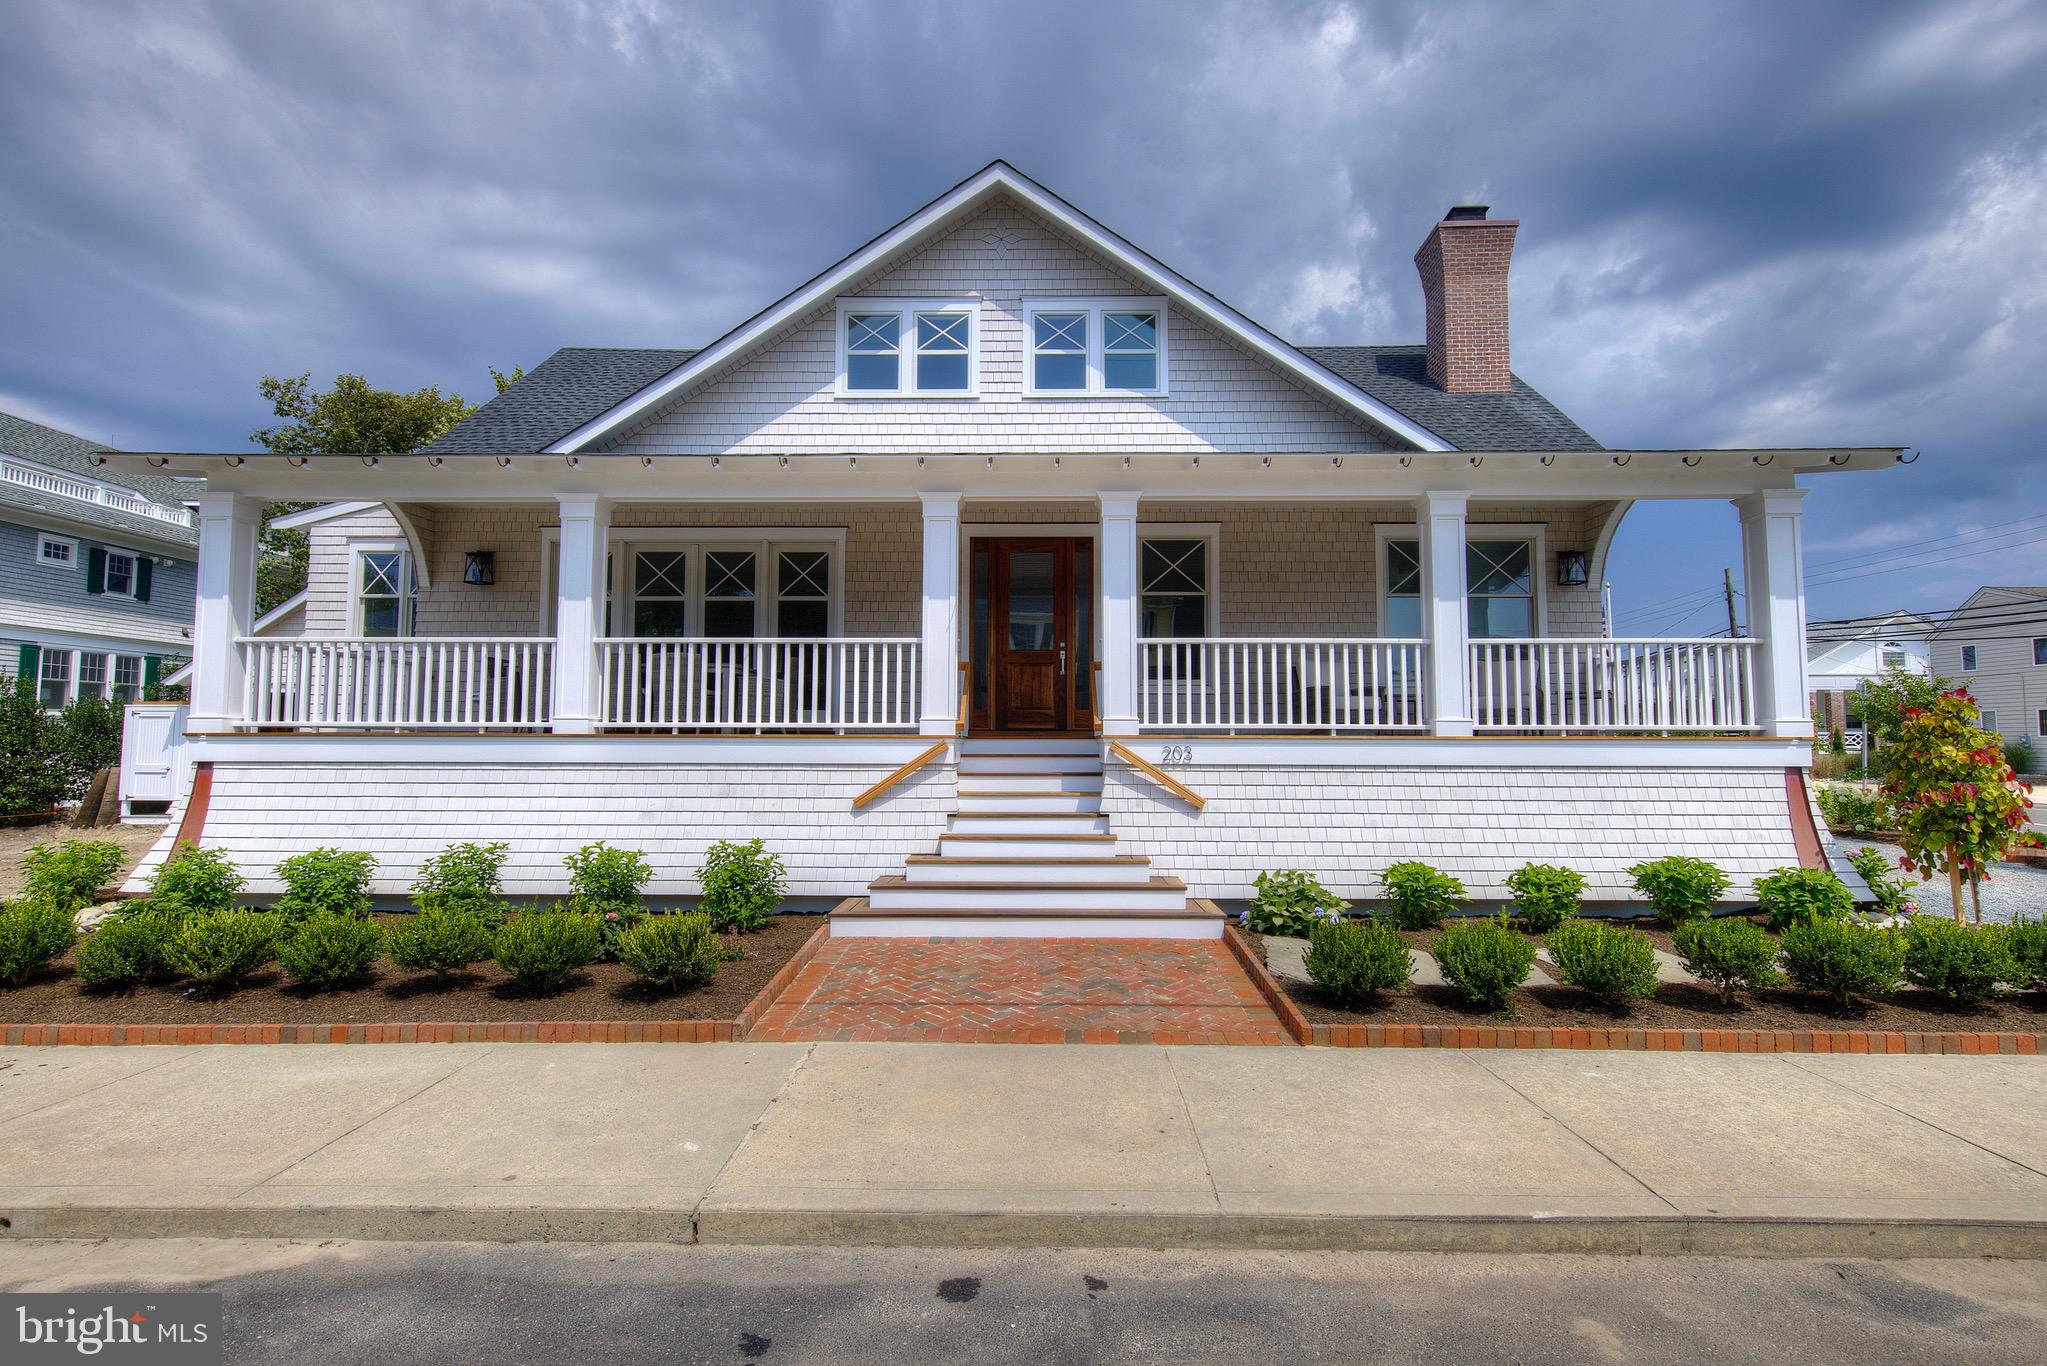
(391,995)
(1675,1006)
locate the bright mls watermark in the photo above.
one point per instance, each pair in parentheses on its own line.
(181,1329)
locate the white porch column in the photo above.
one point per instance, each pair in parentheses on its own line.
(229,524)
(1447,674)
(1119,614)
(1772,556)
(939,706)
(579,611)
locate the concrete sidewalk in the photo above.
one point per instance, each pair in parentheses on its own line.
(932,1144)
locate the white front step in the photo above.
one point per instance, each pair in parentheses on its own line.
(967,825)
(1029,763)
(912,926)
(1019,745)
(1088,803)
(897,894)
(1029,782)
(1007,844)
(1124,870)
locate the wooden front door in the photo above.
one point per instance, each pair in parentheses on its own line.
(1040,632)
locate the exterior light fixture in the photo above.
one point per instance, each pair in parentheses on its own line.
(480,567)
(1571,569)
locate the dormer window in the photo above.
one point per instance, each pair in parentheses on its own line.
(1097,347)
(892,348)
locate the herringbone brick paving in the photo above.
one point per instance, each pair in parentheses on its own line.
(1023,991)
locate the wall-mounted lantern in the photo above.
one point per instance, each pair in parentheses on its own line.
(480,567)
(1571,572)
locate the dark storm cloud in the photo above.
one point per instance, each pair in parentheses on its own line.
(1743,223)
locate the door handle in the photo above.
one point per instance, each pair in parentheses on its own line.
(1062,661)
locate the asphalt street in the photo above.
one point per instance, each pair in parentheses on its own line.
(400,1302)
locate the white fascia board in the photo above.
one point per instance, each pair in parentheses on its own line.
(1482,751)
(665,754)
(280,612)
(956,203)
(326,512)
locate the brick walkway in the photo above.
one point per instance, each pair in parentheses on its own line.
(1023,991)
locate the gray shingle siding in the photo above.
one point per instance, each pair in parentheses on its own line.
(37,602)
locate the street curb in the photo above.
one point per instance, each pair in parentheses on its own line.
(513,1031)
(1675,1235)
(1619,1038)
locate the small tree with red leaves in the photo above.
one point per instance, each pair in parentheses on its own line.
(1960,806)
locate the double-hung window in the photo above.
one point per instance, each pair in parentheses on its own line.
(1403,591)
(1096,346)
(1499,589)
(120,575)
(92,674)
(56,679)
(384,592)
(661,593)
(128,677)
(730,578)
(1174,587)
(906,349)
(803,594)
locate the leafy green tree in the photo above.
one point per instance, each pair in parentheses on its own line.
(1882,702)
(351,418)
(1960,806)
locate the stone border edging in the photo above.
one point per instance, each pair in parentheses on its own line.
(497,1031)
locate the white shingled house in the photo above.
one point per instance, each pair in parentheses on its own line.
(1006,581)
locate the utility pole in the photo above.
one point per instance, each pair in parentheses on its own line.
(1727,587)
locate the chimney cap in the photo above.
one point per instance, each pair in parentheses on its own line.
(1466,213)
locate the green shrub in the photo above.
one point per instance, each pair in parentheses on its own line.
(195,881)
(1484,959)
(1356,959)
(672,951)
(606,882)
(1842,959)
(1679,888)
(541,949)
(1959,963)
(1419,896)
(742,885)
(70,872)
(88,740)
(1291,902)
(117,954)
(329,949)
(443,938)
(217,949)
(33,933)
(462,874)
(34,772)
(2026,939)
(1876,870)
(2019,754)
(326,882)
(1730,955)
(1545,896)
(1850,809)
(1791,895)
(1610,963)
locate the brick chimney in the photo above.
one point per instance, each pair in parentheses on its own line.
(1463,265)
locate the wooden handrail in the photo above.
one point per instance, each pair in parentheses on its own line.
(905,771)
(1094,696)
(1158,775)
(966,693)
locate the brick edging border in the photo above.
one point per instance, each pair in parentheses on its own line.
(499,1031)
(1620,1038)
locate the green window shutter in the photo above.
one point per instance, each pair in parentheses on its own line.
(143,566)
(152,673)
(96,570)
(31,663)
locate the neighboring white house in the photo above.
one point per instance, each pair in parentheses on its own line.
(1005,580)
(1996,643)
(1839,659)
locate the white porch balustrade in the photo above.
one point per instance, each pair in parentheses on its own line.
(845,683)
(1633,684)
(398,683)
(1281,684)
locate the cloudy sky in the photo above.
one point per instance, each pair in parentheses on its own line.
(1743,223)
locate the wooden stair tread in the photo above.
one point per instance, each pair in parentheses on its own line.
(1062,861)
(863,911)
(1156,883)
(1096,837)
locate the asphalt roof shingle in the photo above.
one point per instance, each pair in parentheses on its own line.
(41,445)
(577,383)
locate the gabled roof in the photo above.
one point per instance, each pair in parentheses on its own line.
(1519,420)
(562,393)
(62,452)
(963,199)
(1990,595)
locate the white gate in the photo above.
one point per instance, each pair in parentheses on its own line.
(154,768)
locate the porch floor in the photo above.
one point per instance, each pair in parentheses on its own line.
(1022,991)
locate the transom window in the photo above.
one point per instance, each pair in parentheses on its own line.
(384,592)
(1174,577)
(940,338)
(1098,346)
(56,552)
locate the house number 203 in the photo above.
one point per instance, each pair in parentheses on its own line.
(1176,754)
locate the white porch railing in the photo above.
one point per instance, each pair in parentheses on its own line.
(1272,683)
(1630,684)
(399,682)
(861,683)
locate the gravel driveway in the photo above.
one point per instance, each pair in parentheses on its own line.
(2009,893)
